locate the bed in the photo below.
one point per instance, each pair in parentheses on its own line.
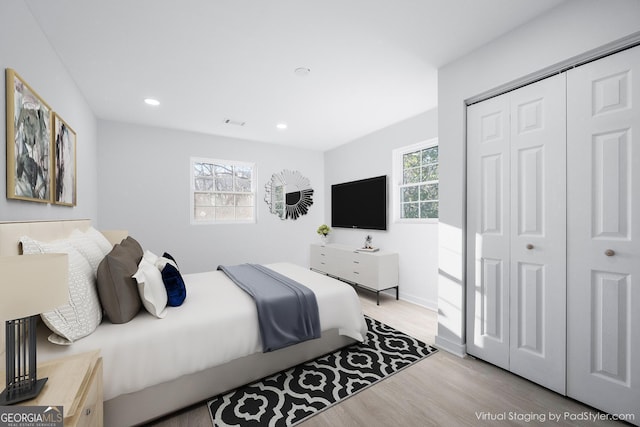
(208,345)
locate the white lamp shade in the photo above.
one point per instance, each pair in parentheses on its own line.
(32,284)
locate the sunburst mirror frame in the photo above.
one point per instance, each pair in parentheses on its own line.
(288,194)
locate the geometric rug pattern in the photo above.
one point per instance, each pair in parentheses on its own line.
(291,396)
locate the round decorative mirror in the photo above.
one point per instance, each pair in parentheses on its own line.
(289,194)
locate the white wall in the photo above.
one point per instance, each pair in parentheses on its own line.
(416,244)
(24,48)
(144,188)
(569,30)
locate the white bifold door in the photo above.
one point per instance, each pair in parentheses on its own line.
(553,232)
(603,177)
(516,231)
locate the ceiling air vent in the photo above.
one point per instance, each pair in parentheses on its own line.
(233,122)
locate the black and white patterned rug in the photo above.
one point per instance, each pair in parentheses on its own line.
(289,397)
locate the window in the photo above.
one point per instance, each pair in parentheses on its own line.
(416,178)
(222,191)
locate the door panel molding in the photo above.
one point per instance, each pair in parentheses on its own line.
(603,252)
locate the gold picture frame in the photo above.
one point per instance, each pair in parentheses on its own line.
(29,160)
(64,162)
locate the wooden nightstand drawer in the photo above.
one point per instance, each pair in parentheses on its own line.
(89,412)
(75,382)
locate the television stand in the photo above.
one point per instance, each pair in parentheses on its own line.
(374,271)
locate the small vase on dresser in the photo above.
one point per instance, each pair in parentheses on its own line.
(323,231)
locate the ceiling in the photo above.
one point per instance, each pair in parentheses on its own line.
(372,63)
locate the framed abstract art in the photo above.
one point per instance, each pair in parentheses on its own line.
(64,169)
(29,160)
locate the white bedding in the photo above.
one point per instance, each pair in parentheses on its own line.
(217,323)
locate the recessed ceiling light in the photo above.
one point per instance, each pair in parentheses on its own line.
(302,71)
(281,125)
(152,101)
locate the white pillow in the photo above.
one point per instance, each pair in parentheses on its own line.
(151,288)
(99,239)
(150,256)
(83,313)
(87,247)
(158,261)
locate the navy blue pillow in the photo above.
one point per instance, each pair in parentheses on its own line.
(174,284)
(168,256)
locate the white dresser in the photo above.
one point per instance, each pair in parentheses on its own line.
(376,271)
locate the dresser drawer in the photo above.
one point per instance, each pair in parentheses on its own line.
(319,261)
(329,260)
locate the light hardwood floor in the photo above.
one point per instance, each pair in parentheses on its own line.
(441,390)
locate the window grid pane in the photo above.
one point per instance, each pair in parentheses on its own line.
(410,210)
(430,155)
(411,175)
(411,160)
(419,188)
(223,192)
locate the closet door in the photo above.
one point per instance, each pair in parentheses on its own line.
(538,232)
(516,293)
(488,228)
(604,233)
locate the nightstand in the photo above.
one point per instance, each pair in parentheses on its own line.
(75,382)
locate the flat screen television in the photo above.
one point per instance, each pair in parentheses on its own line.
(360,204)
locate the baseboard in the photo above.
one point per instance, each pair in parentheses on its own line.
(422,302)
(456,349)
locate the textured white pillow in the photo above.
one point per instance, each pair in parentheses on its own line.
(83,313)
(100,240)
(151,288)
(87,247)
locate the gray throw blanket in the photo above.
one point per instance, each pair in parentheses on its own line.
(287,310)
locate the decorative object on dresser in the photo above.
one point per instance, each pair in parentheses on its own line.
(377,271)
(75,383)
(323,231)
(28,142)
(288,194)
(368,246)
(24,296)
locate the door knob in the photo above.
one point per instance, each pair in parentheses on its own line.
(529,246)
(609,252)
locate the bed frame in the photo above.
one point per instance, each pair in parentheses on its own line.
(165,398)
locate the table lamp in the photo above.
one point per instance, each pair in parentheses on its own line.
(29,285)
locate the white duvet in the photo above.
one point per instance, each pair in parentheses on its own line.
(216,323)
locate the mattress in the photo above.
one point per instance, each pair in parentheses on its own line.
(216,323)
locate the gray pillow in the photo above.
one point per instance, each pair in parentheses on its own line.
(134,247)
(118,291)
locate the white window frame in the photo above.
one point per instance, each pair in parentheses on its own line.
(398,170)
(192,192)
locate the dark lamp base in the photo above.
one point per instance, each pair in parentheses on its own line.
(9,398)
